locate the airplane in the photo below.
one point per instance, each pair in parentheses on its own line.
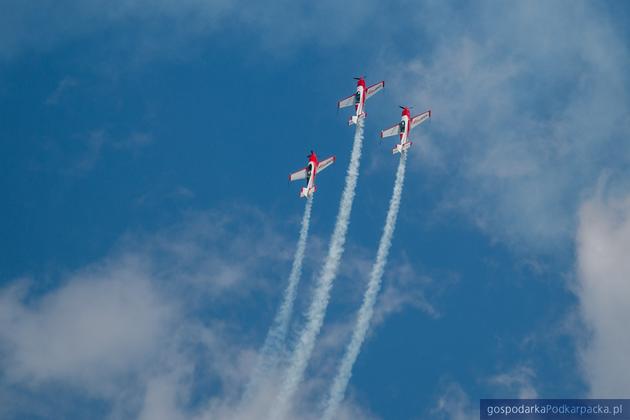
(404,127)
(358,99)
(312,168)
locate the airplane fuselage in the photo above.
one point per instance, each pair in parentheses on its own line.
(360,98)
(311,171)
(405,128)
(405,120)
(359,102)
(310,174)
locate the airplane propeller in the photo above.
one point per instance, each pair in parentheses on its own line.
(403,107)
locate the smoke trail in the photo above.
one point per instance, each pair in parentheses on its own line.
(275,340)
(317,310)
(364,316)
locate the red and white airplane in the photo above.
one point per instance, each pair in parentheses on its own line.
(358,99)
(404,127)
(312,168)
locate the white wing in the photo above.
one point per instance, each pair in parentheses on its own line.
(392,131)
(325,163)
(301,174)
(346,102)
(420,118)
(374,88)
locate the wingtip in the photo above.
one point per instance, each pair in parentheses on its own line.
(429,113)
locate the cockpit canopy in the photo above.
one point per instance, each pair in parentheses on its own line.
(402,126)
(357,97)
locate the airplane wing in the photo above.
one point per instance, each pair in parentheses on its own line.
(323,164)
(392,131)
(301,174)
(420,118)
(349,101)
(374,88)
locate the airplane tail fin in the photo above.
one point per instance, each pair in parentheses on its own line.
(354,119)
(307,191)
(401,147)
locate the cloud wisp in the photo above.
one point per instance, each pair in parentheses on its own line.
(366,311)
(274,345)
(317,310)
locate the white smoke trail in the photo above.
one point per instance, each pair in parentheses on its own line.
(275,341)
(317,310)
(366,311)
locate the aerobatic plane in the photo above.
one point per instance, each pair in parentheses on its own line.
(313,167)
(404,127)
(358,99)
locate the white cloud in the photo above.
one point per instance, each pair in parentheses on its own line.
(405,288)
(25,27)
(93,331)
(63,86)
(516,383)
(455,404)
(150,330)
(144,329)
(530,102)
(93,145)
(603,288)
(277,27)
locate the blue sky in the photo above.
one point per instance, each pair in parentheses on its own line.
(148,228)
